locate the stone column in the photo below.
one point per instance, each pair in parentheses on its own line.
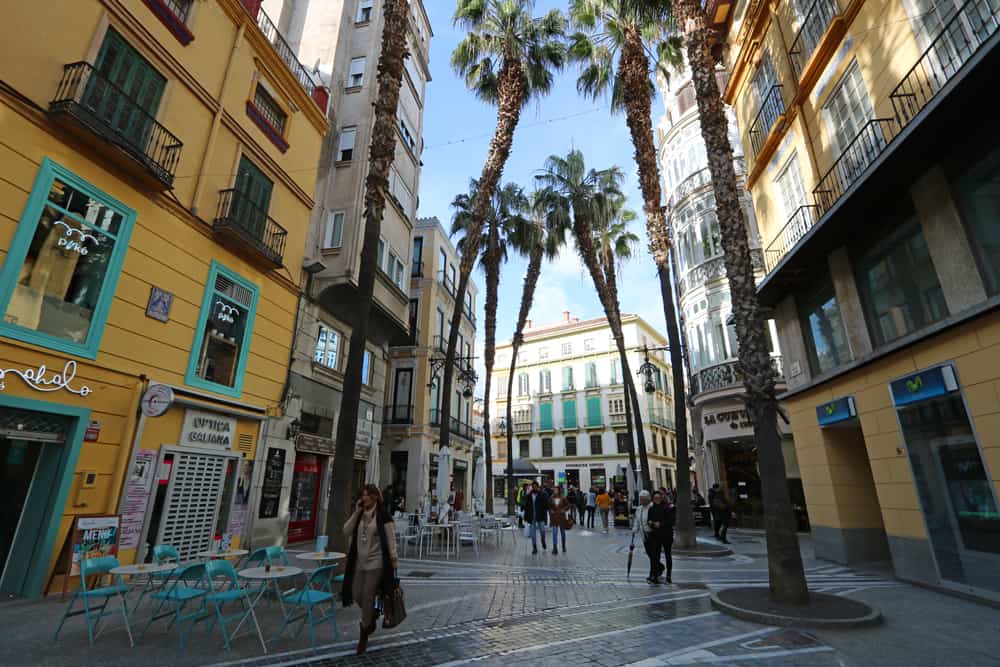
(793,346)
(849,303)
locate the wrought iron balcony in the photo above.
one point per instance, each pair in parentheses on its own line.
(455,426)
(657,418)
(522,426)
(285,52)
(713,269)
(817,18)
(107,111)
(771,108)
(801,222)
(967,30)
(398,414)
(249,228)
(727,375)
(853,161)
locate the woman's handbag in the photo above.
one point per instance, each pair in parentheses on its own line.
(393,606)
(570,523)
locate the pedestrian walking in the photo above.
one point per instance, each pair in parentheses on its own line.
(559,509)
(591,507)
(371,558)
(581,505)
(603,501)
(641,527)
(573,499)
(660,518)
(536,508)
(718,501)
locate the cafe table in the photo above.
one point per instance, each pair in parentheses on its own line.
(268,578)
(448,531)
(143,569)
(321,556)
(218,555)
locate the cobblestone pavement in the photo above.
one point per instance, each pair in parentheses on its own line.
(509,607)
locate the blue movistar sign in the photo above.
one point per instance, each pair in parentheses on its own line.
(924,385)
(834,412)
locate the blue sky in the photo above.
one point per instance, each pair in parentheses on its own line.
(457,131)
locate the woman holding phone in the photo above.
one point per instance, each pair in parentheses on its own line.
(371,558)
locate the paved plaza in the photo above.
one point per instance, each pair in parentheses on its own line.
(509,607)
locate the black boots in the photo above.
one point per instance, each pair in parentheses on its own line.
(564,547)
(534,548)
(363,640)
(555,550)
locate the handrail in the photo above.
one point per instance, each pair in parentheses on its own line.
(252,223)
(771,107)
(728,374)
(800,222)
(285,52)
(853,161)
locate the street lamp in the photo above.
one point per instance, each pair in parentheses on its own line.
(647,368)
(466,375)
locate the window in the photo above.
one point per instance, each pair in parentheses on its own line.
(269,109)
(849,108)
(976,189)
(126,75)
(588,345)
(451,277)
(595,445)
(365,11)
(768,102)
(404,129)
(616,371)
(567,378)
(347,137)
(624,446)
(522,384)
(569,414)
(222,339)
(59,276)
(316,425)
(570,446)
(327,345)
(394,268)
(543,353)
(594,411)
(899,286)
(545,417)
(443,262)
(591,369)
(356,75)
(366,368)
(418,256)
(616,406)
(547,447)
(524,447)
(567,349)
(380,256)
(545,381)
(825,339)
(502,386)
(333,235)
(791,189)
(251,199)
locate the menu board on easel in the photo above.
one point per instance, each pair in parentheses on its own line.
(90,537)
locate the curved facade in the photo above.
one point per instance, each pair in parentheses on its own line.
(721,433)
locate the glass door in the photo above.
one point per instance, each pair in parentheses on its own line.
(128,92)
(304,500)
(401,393)
(18,460)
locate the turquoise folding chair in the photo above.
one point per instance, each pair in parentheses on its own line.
(318,590)
(162,554)
(231,591)
(98,567)
(267,555)
(188,586)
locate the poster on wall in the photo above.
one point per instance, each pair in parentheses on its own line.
(274,473)
(238,513)
(137,488)
(94,537)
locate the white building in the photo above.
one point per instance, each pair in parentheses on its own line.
(568,404)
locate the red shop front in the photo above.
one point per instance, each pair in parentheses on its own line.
(304,504)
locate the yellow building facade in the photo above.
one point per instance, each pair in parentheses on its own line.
(157,161)
(872,174)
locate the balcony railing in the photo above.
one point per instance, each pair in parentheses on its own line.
(522,427)
(819,16)
(771,108)
(110,113)
(398,414)
(455,426)
(657,418)
(854,160)
(967,30)
(241,221)
(285,52)
(617,419)
(728,374)
(801,222)
(447,282)
(713,269)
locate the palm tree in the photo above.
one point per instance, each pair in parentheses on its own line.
(578,190)
(381,154)
(546,236)
(508,58)
(785,572)
(613,46)
(506,228)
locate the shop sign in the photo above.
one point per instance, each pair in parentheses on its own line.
(40,379)
(94,537)
(210,429)
(316,444)
(735,418)
(140,483)
(157,400)
(836,411)
(924,385)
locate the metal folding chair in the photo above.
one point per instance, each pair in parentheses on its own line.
(98,567)
(230,591)
(188,586)
(318,590)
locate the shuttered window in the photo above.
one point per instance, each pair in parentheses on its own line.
(569,414)
(594,411)
(545,417)
(567,379)
(591,374)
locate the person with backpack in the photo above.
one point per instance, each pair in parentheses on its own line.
(718,501)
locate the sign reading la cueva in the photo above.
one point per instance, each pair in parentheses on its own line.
(208,429)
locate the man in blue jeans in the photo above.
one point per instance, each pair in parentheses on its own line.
(536,509)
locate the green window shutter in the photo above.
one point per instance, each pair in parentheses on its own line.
(594,411)
(569,414)
(545,416)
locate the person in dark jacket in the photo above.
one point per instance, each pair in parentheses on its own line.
(660,520)
(536,509)
(718,501)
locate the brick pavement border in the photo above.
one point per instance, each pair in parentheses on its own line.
(753,603)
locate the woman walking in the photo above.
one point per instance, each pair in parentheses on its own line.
(660,519)
(371,558)
(558,519)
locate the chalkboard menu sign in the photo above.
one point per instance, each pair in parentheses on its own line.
(274,472)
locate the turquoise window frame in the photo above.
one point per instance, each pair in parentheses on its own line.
(48,171)
(545,416)
(594,416)
(192,378)
(569,414)
(46,501)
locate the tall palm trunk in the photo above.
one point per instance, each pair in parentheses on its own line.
(631,450)
(633,69)
(492,266)
(510,97)
(633,418)
(527,297)
(785,572)
(382,152)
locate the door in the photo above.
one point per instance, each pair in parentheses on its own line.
(305,499)
(401,393)
(18,461)
(252,199)
(192,500)
(127,91)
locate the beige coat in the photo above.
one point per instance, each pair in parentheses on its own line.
(369,545)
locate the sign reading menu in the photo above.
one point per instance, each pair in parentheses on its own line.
(208,429)
(93,537)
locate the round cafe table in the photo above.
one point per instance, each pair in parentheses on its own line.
(277,573)
(147,570)
(321,556)
(217,555)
